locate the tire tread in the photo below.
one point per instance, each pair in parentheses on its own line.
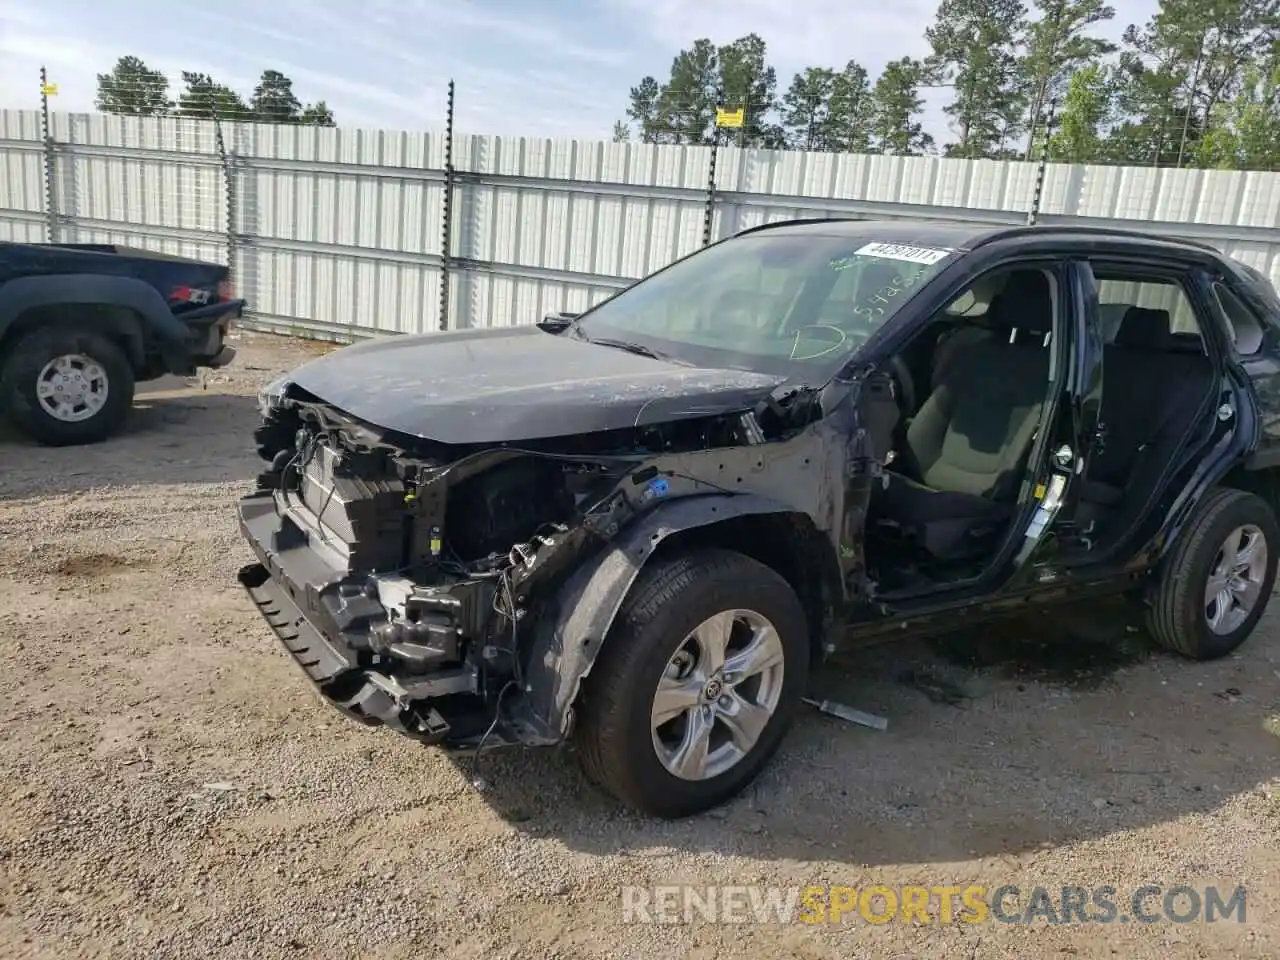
(1169,615)
(34,349)
(601,732)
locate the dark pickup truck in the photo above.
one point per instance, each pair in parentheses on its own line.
(81,324)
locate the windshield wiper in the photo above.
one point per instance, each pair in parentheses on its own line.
(627,345)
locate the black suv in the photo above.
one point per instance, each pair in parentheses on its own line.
(641,528)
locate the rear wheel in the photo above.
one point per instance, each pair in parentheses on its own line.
(66,385)
(1216,583)
(697,684)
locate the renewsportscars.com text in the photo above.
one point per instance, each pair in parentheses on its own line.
(879,904)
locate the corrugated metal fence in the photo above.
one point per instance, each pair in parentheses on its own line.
(338,232)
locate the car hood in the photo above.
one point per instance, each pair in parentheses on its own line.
(517,383)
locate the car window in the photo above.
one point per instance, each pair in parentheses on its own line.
(769,298)
(1263,293)
(1119,292)
(1243,326)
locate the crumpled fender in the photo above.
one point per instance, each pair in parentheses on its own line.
(571,636)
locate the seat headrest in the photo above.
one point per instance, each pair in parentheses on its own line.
(1146,328)
(1026,302)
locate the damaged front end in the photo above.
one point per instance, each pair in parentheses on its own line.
(459,594)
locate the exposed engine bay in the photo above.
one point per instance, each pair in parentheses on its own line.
(458,594)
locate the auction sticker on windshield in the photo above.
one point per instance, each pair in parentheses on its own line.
(897,251)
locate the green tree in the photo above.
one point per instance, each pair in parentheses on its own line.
(746,80)
(273,99)
(1181,66)
(317,114)
(1086,109)
(643,110)
(806,109)
(621,132)
(851,109)
(703,76)
(1057,48)
(134,89)
(1245,132)
(206,99)
(895,106)
(830,111)
(686,105)
(1149,103)
(974,51)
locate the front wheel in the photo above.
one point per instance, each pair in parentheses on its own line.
(66,385)
(1216,583)
(696,685)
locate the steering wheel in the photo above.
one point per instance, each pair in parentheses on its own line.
(906,384)
(837,337)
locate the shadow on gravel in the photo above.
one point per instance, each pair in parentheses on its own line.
(1034,733)
(172,436)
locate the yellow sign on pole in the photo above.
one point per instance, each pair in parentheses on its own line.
(49,89)
(730,118)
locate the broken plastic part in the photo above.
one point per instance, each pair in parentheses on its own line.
(849,713)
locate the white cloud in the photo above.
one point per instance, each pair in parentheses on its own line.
(376,64)
(533,27)
(803,33)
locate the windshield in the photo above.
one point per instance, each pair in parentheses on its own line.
(771,302)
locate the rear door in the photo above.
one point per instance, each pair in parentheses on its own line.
(1250,316)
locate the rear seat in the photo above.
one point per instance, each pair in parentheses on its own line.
(1150,391)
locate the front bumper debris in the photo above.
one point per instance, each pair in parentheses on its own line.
(299,603)
(373,699)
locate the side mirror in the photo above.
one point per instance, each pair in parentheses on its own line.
(556,322)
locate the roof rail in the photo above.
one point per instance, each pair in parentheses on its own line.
(1022,231)
(792,223)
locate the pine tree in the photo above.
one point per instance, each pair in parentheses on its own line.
(973,45)
(895,105)
(134,89)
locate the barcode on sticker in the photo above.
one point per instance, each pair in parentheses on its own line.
(897,251)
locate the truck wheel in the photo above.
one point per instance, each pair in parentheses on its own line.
(697,684)
(65,385)
(1216,583)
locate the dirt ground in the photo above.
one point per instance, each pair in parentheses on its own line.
(172,788)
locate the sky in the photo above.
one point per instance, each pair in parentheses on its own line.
(553,68)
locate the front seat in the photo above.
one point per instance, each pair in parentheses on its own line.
(966,449)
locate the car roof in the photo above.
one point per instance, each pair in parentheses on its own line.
(944,233)
(969,236)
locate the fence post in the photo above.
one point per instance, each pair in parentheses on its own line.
(229,188)
(709,211)
(1034,213)
(46,134)
(447,212)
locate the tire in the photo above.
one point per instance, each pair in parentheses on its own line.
(615,736)
(1181,613)
(100,365)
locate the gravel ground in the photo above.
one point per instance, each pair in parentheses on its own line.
(172,789)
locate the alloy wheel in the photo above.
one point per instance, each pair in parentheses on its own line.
(717,694)
(1235,581)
